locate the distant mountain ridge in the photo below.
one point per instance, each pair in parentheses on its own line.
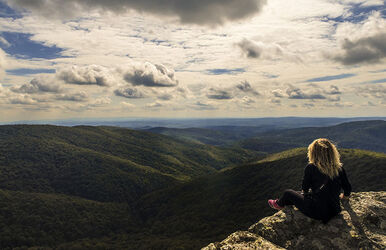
(367,135)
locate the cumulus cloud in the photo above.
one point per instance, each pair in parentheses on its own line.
(269,51)
(154,105)
(38,85)
(2,62)
(127,105)
(250,48)
(201,12)
(308,105)
(129,92)
(247,100)
(276,101)
(99,102)
(87,75)
(296,93)
(247,88)
(377,91)
(199,105)
(309,92)
(219,94)
(80,96)
(278,93)
(361,42)
(22,99)
(182,91)
(149,75)
(371,49)
(165,97)
(333,90)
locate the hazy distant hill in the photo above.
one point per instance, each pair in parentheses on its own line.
(102,163)
(368,135)
(141,123)
(199,135)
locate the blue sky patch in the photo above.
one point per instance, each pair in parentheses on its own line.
(225,71)
(24,71)
(378,81)
(23,47)
(358,13)
(7,12)
(330,78)
(270,76)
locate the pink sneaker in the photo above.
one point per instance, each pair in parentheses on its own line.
(274,205)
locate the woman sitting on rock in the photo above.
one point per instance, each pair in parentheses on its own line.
(325,176)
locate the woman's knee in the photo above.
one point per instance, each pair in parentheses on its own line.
(289,191)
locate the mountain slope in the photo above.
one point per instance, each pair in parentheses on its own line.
(33,219)
(185,216)
(214,206)
(103,163)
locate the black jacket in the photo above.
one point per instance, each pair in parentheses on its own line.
(326,203)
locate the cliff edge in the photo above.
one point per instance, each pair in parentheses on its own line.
(360,225)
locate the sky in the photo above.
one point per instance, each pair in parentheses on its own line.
(188,59)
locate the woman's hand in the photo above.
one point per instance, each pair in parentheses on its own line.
(342,197)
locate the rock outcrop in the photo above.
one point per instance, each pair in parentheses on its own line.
(360,225)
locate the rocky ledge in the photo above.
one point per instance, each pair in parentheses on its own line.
(360,225)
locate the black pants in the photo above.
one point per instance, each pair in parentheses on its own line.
(320,210)
(291,197)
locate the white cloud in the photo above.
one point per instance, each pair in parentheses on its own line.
(22,99)
(202,12)
(38,85)
(219,94)
(154,105)
(376,91)
(246,87)
(2,62)
(110,52)
(100,102)
(127,105)
(200,105)
(80,96)
(362,42)
(129,92)
(149,75)
(87,75)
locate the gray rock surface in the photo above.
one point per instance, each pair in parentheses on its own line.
(360,225)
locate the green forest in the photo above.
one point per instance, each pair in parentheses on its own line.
(89,187)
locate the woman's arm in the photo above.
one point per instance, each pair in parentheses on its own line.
(345,183)
(307,179)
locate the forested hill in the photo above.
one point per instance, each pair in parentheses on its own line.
(209,208)
(113,188)
(103,163)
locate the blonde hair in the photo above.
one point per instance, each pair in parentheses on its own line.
(325,156)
